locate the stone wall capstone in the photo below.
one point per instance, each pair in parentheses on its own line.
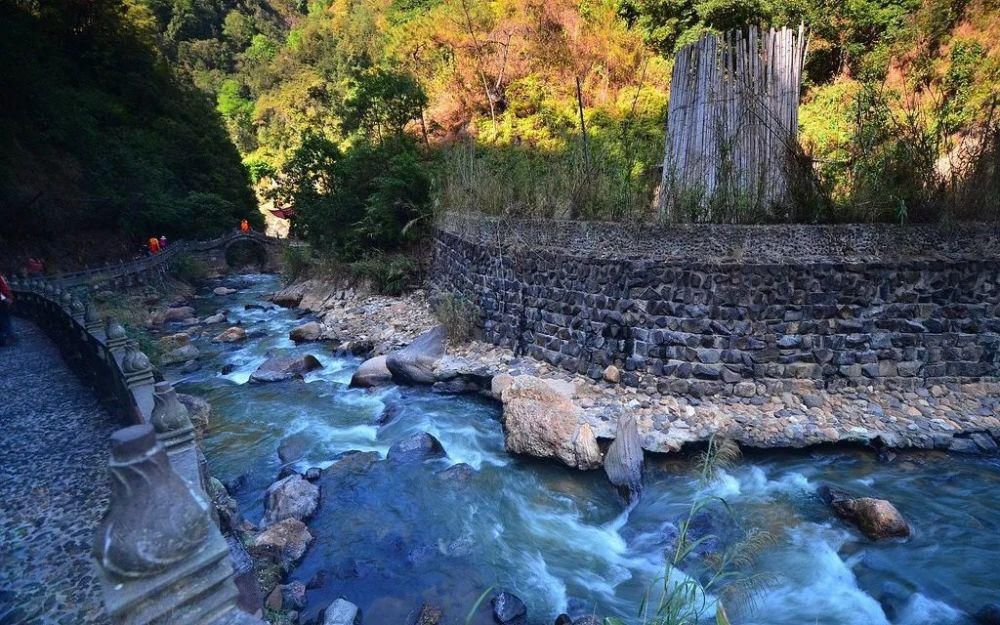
(743,310)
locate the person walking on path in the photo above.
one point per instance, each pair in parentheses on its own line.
(163,242)
(244,226)
(154,245)
(6,303)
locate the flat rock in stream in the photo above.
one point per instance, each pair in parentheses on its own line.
(281,368)
(623,462)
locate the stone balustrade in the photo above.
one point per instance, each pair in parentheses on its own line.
(159,555)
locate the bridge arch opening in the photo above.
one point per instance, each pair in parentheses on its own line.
(245,252)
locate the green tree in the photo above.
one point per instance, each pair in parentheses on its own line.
(382,103)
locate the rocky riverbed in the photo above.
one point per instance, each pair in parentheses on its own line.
(962,418)
(406,528)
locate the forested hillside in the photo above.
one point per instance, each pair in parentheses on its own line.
(361,116)
(99,134)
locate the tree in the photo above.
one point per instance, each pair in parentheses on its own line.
(382,103)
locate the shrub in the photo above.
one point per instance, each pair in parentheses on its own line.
(297,259)
(188,269)
(387,274)
(458,315)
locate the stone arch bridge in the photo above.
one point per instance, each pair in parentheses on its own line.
(266,251)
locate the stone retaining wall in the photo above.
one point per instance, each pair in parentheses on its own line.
(900,307)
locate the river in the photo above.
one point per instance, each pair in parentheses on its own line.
(395,536)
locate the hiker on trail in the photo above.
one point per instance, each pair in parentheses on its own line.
(163,242)
(244,226)
(6,303)
(154,245)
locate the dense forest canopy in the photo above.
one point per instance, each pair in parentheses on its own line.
(364,115)
(98,132)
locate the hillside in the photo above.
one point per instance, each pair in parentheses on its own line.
(99,135)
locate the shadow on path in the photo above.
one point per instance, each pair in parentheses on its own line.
(53,486)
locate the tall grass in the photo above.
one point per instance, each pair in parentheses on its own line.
(678,599)
(600,181)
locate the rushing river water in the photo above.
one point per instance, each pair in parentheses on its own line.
(393,536)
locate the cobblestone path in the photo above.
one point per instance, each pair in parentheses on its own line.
(53,486)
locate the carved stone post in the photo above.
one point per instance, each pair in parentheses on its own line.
(172,422)
(91,319)
(136,367)
(114,333)
(77,309)
(160,559)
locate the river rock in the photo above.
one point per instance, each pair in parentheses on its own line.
(293,595)
(231,335)
(199,410)
(612,375)
(173,341)
(416,448)
(372,372)
(180,354)
(508,609)
(170,315)
(226,508)
(989,614)
(309,331)
(281,368)
(213,319)
(539,421)
(294,446)
(876,518)
(342,612)
(223,290)
(416,363)
(623,462)
(285,542)
(291,498)
(456,474)
(427,615)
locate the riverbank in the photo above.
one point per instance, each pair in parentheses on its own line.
(956,417)
(393,536)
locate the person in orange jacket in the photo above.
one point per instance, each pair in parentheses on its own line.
(154,245)
(244,226)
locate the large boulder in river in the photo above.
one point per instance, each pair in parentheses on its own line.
(281,368)
(415,363)
(416,448)
(294,446)
(231,335)
(540,421)
(372,372)
(180,354)
(309,331)
(285,542)
(291,498)
(623,462)
(223,290)
(876,518)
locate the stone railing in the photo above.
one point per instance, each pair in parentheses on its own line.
(160,557)
(744,310)
(140,270)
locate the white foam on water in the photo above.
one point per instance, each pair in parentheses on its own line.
(538,578)
(816,585)
(921,610)
(753,481)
